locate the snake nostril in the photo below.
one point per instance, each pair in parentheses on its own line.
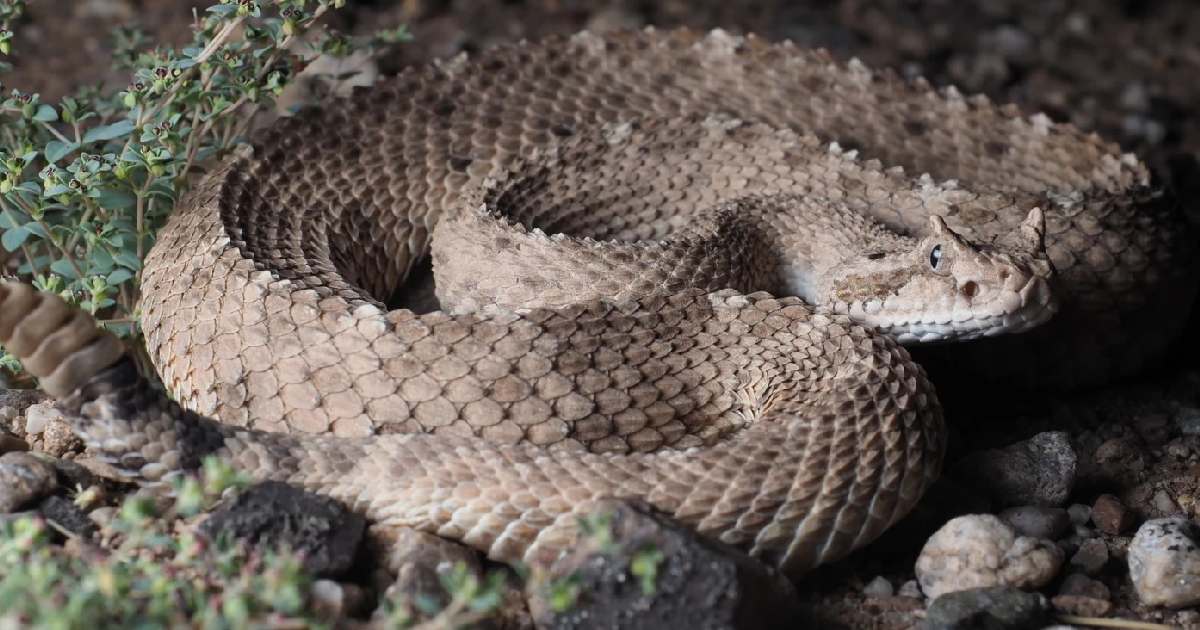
(969,289)
(1004,275)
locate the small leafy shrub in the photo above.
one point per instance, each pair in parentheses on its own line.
(85,182)
(148,576)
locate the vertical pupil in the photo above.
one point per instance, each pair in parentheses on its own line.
(935,256)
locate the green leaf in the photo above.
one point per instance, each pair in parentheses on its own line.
(14,238)
(64,269)
(37,230)
(116,199)
(127,259)
(118,276)
(57,149)
(45,113)
(108,132)
(223,9)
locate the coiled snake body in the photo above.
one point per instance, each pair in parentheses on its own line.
(605,214)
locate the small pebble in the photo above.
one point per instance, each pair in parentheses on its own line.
(878,587)
(1080,514)
(24,479)
(335,600)
(911,589)
(1164,563)
(981,550)
(1081,605)
(1079,584)
(39,415)
(1091,556)
(58,438)
(1037,521)
(1110,515)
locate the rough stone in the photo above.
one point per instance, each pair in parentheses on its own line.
(276,515)
(24,478)
(1091,556)
(1037,521)
(981,550)
(988,608)
(1164,563)
(58,438)
(1110,515)
(1037,471)
(698,583)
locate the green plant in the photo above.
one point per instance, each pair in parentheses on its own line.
(85,182)
(149,578)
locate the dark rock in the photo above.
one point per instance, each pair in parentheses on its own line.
(24,479)
(1037,471)
(694,583)
(989,608)
(276,515)
(67,516)
(1110,516)
(1038,521)
(1091,556)
(10,443)
(1120,461)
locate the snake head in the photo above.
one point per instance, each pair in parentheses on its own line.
(944,287)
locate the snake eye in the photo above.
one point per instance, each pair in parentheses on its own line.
(935,256)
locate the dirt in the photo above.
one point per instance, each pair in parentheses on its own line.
(1125,69)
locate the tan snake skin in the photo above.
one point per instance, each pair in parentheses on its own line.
(602,211)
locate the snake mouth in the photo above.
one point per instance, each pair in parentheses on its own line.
(1030,306)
